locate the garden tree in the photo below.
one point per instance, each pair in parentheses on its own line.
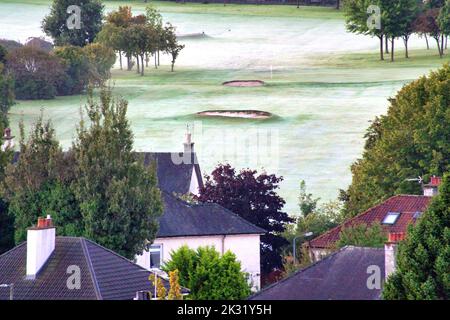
(6,96)
(6,220)
(171,45)
(77,68)
(101,59)
(208,275)
(412,140)
(118,196)
(59,24)
(39,184)
(423,259)
(357,19)
(36,73)
(254,198)
(142,40)
(362,235)
(175,289)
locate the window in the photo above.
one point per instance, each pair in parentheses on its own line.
(155,255)
(391,218)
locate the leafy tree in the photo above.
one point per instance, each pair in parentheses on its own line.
(160,289)
(55,24)
(412,140)
(6,95)
(444,21)
(113,37)
(362,235)
(423,260)
(254,198)
(3,53)
(118,196)
(39,183)
(77,67)
(101,59)
(171,45)
(208,275)
(36,73)
(428,23)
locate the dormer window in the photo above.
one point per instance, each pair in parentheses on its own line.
(391,218)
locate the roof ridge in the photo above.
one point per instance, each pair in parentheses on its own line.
(381,202)
(87,256)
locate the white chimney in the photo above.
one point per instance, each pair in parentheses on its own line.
(40,245)
(390,253)
(432,189)
(188,144)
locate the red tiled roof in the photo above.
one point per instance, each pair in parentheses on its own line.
(406,205)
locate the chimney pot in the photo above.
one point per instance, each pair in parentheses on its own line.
(41,223)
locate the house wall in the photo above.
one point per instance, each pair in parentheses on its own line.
(245,247)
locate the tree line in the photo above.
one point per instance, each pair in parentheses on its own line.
(389,20)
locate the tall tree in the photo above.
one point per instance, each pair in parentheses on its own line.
(171,45)
(78,27)
(254,198)
(118,196)
(423,260)
(412,140)
(6,95)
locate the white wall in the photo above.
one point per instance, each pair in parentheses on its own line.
(245,247)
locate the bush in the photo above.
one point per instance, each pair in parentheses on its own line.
(36,73)
(362,235)
(101,59)
(76,64)
(208,275)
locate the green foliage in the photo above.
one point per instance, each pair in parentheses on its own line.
(101,59)
(118,196)
(6,95)
(55,24)
(412,140)
(171,45)
(3,54)
(208,275)
(36,73)
(423,259)
(77,70)
(362,235)
(444,18)
(39,183)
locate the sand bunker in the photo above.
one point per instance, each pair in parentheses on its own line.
(244,114)
(244,83)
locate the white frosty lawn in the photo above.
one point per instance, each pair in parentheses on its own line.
(321,110)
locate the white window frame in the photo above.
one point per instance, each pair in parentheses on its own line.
(156,247)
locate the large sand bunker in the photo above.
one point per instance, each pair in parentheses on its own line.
(244,114)
(244,83)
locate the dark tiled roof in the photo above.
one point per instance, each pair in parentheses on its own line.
(104,274)
(406,205)
(340,276)
(172,177)
(183,219)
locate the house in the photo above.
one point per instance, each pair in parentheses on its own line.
(394,215)
(204,224)
(46,267)
(351,273)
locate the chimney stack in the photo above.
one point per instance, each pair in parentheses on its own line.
(390,252)
(432,189)
(188,144)
(40,245)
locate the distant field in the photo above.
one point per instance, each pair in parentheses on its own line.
(322,84)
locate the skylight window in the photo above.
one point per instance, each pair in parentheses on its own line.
(391,218)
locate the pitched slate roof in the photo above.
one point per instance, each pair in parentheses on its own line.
(173,176)
(406,205)
(340,276)
(183,219)
(104,274)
